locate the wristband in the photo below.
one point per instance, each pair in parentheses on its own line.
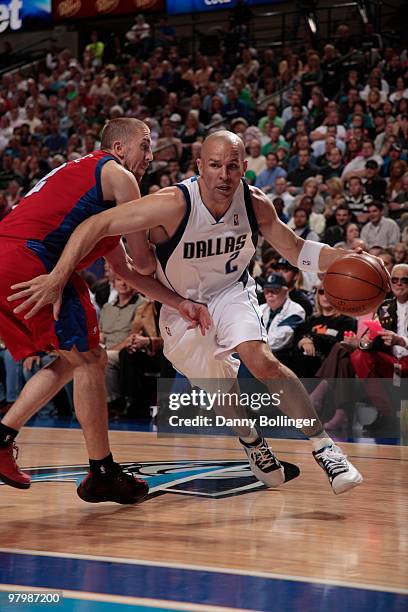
(308,259)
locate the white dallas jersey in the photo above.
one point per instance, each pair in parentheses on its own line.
(206,256)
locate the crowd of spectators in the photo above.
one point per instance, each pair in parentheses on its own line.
(326,140)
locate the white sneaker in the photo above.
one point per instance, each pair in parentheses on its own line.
(341,473)
(264,465)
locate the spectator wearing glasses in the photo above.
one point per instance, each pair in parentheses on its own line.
(315,338)
(280,315)
(388,352)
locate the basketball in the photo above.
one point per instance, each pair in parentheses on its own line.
(356,284)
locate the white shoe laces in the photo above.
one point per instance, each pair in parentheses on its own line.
(262,456)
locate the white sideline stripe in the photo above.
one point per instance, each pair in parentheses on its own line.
(124,600)
(215,570)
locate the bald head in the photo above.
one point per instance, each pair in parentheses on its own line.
(222,140)
(121,130)
(222,165)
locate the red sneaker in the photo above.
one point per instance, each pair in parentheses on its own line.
(121,488)
(10,473)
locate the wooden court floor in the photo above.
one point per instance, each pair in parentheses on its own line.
(207,513)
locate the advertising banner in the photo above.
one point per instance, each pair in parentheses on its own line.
(63,10)
(22,15)
(175,7)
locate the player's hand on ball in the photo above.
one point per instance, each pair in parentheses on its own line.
(196,314)
(39,292)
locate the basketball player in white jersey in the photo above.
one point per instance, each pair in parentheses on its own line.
(205,233)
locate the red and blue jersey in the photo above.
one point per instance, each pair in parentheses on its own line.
(51,211)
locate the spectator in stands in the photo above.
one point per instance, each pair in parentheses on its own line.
(256,161)
(301,225)
(290,128)
(279,206)
(271,117)
(315,338)
(336,228)
(168,147)
(357,166)
(140,361)
(310,188)
(116,323)
(398,169)
(165,34)
(316,221)
(400,253)
(379,230)
(293,278)
(14,193)
(386,257)
(139,36)
(11,377)
(377,358)
(334,167)
(280,315)
(281,190)
(356,198)
(375,186)
(234,107)
(95,48)
(274,139)
(266,179)
(351,233)
(304,170)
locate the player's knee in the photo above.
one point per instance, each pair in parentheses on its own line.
(95,358)
(265,366)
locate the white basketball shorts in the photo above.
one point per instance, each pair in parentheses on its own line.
(236,318)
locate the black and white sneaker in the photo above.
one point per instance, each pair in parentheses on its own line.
(341,473)
(265,466)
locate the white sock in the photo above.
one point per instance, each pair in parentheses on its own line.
(319,443)
(251,437)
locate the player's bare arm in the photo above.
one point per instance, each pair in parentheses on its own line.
(163,210)
(120,185)
(196,314)
(282,238)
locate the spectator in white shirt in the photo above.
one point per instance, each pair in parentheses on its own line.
(316,221)
(281,191)
(379,230)
(256,161)
(357,165)
(280,315)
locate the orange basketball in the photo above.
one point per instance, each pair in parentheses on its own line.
(356,284)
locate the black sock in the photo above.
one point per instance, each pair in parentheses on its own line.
(104,467)
(7,435)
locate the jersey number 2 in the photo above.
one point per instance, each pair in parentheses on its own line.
(228,267)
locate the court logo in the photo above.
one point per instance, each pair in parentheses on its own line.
(214,479)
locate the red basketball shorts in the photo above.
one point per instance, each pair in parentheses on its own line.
(77,324)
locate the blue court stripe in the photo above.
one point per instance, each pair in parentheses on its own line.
(87,605)
(191,585)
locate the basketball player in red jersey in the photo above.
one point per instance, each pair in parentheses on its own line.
(32,237)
